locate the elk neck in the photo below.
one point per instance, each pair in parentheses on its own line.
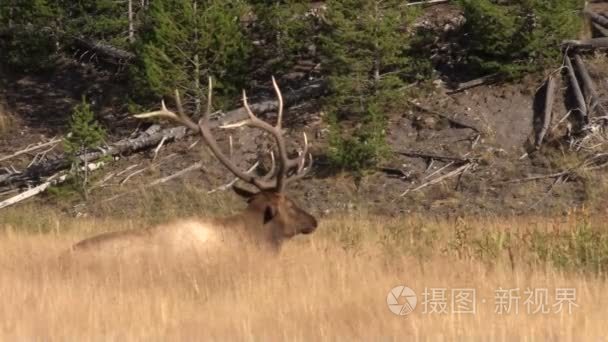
(249,225)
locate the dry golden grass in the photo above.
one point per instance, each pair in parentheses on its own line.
(327,286)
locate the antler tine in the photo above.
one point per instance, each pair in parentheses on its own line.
(202,127)
(303,169)
(275,131)
(205,117)
(280,98)
(286,164)
(273,167)
(180,117)
(301,155)
(260,183)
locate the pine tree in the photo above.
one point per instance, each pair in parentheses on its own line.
(27,30)
(101,20)
(186,41)
(365,53)
(85,133)
(516,37)
(285,30)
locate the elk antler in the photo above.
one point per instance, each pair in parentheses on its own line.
(286,164)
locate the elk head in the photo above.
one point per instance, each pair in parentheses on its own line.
(278,214)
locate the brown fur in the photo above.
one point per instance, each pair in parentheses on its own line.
(269,219)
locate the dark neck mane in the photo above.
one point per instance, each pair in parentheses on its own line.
(249,225)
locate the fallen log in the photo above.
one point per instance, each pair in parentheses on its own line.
(53,180)
(31,192)
(452,121)
(493,78)
(596,18)
(427,2)
(589,44)
(576,90)
(107,52)
(548,110)
(592,98)
(601,29)
(126,146)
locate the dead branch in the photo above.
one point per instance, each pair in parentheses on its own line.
(589,164)
(154,165)
(232,182)
(454,122)
(548,110)
(193,167)
(438,170)
(427,3)
(30,149)
(439,179)
(160,145)
(493,78)
(435,156)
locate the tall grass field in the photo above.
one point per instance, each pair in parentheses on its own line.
(482,279)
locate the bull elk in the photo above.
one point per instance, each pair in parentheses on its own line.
(270,218)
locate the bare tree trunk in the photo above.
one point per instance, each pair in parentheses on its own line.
(377,48)
(131,24)
(197,71)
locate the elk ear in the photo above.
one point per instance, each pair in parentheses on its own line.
(243,192)
(269,213)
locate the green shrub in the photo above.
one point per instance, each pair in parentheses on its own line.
(27,34)
(518,36)
(85,133)
(366,57)
(184,42)
(101,20)
(285,31)
(360,148)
